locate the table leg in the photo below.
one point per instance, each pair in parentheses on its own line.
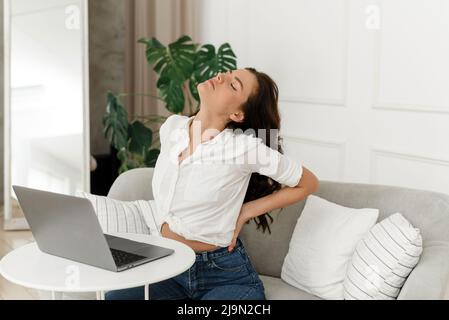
(100,295)
(147,292)
(56,295)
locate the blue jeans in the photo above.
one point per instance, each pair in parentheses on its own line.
(215,275)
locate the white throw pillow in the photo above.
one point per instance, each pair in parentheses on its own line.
(322,244)
(383,259)
(123,216)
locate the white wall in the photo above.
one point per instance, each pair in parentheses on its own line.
(364,85)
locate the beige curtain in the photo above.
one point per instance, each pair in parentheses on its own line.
(164,19)
(138,77)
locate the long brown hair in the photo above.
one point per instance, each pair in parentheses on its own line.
(261,112)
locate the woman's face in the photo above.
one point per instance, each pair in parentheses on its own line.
(226,93)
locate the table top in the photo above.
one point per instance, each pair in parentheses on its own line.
(29,267)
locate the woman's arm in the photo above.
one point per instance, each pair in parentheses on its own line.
(279,199)
(282,198)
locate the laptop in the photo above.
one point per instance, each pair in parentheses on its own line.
(67,226)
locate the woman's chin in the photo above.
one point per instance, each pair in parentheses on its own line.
(202,86)
(203,91)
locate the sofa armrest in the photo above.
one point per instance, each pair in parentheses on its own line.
(428,280)
(134,184)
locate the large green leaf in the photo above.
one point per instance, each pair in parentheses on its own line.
(175,61)
(171,92)
(122,155)
(174,65)
(115,123)
(140,137)
(208,62)
(193,84)
(151,156)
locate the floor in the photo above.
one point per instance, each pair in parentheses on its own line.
(10,240)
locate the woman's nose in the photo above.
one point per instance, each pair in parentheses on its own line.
(220,78)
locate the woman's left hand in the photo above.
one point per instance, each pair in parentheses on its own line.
(242,219)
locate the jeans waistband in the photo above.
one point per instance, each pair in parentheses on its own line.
(204,255)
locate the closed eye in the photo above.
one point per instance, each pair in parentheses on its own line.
(232,85)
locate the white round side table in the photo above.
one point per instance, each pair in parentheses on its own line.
(29,267)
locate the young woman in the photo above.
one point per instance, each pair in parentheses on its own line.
(217,170)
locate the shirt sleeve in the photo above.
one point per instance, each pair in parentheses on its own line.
(271,163)
(166,129)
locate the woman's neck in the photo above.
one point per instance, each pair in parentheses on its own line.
(206,122)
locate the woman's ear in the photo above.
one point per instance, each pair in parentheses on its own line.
(237,116)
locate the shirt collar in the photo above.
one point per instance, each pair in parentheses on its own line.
(220,138)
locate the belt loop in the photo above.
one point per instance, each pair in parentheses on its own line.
(204,253)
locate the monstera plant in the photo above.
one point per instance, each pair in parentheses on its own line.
(180,67)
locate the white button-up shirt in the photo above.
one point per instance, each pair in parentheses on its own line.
(201,198)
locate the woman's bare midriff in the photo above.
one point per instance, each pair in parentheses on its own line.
(196,246)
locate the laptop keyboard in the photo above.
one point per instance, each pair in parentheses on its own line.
(122,258)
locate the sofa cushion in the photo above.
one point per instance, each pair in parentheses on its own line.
(426,210)
(383,259)
(278,289)
(322,244)
(123,216)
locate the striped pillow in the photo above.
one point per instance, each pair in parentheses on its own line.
(382,260)
(123,216)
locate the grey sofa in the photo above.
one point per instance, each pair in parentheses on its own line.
(426,210)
